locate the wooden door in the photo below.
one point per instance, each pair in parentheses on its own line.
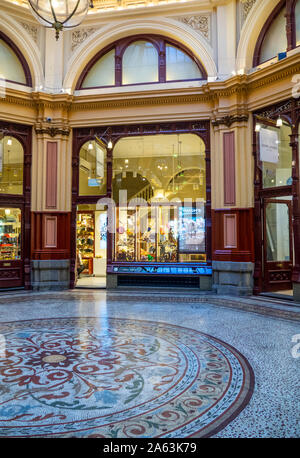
(277,244)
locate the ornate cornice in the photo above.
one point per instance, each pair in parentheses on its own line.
(140,101)
(228,120)
(52,131)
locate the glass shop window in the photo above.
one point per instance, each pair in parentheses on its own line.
(159,187)
(92,169)
(10,234)
(275,155)
(11,166)
(140,63)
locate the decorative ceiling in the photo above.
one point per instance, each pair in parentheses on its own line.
(107,5)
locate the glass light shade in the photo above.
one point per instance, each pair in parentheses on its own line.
(59,13)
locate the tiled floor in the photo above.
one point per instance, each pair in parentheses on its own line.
(80,364)
(91,282)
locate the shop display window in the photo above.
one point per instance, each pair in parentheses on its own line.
(275,155)
(92,169)
(125,234)
(159,188)
(86,238)
(11,166)
(160,234)
(10,234)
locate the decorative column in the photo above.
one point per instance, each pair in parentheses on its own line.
(226,14)
(51,205)
(232,206)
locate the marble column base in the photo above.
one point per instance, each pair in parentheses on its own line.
(233,278)
(50,274)
(296,293)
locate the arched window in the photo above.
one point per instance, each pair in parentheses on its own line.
(180,66)
(11,166)
(140,63)
(102,72)
(280,33)
(275,40)
(297,17)
(153,60)
(13,66)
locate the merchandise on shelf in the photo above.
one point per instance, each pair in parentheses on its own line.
(85,235)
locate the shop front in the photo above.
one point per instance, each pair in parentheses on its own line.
(142,207)
(14,206)
(277,198)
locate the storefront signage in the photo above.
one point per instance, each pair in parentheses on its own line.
(93,182)
(268,145)
(191,230)
(163,270)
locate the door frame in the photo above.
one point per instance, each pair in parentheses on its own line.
(114,133)
(282,270)
(289,111)
(23,133)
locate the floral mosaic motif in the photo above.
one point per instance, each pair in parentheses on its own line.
(97,377)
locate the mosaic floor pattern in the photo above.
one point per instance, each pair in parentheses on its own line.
(110,377)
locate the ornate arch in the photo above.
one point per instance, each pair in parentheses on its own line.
(251,30)
(171,29)
(26,46)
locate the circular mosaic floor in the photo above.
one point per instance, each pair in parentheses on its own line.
(108,377)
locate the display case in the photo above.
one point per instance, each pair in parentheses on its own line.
(146,234)
(157,233)
(10,234)
(125,234)
(167,234)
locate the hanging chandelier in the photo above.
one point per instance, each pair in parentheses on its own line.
(60,14)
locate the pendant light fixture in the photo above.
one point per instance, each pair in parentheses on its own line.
(60,14)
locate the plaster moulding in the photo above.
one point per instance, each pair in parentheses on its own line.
(32,30)
(201,23)
(245,10)
(79,35)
